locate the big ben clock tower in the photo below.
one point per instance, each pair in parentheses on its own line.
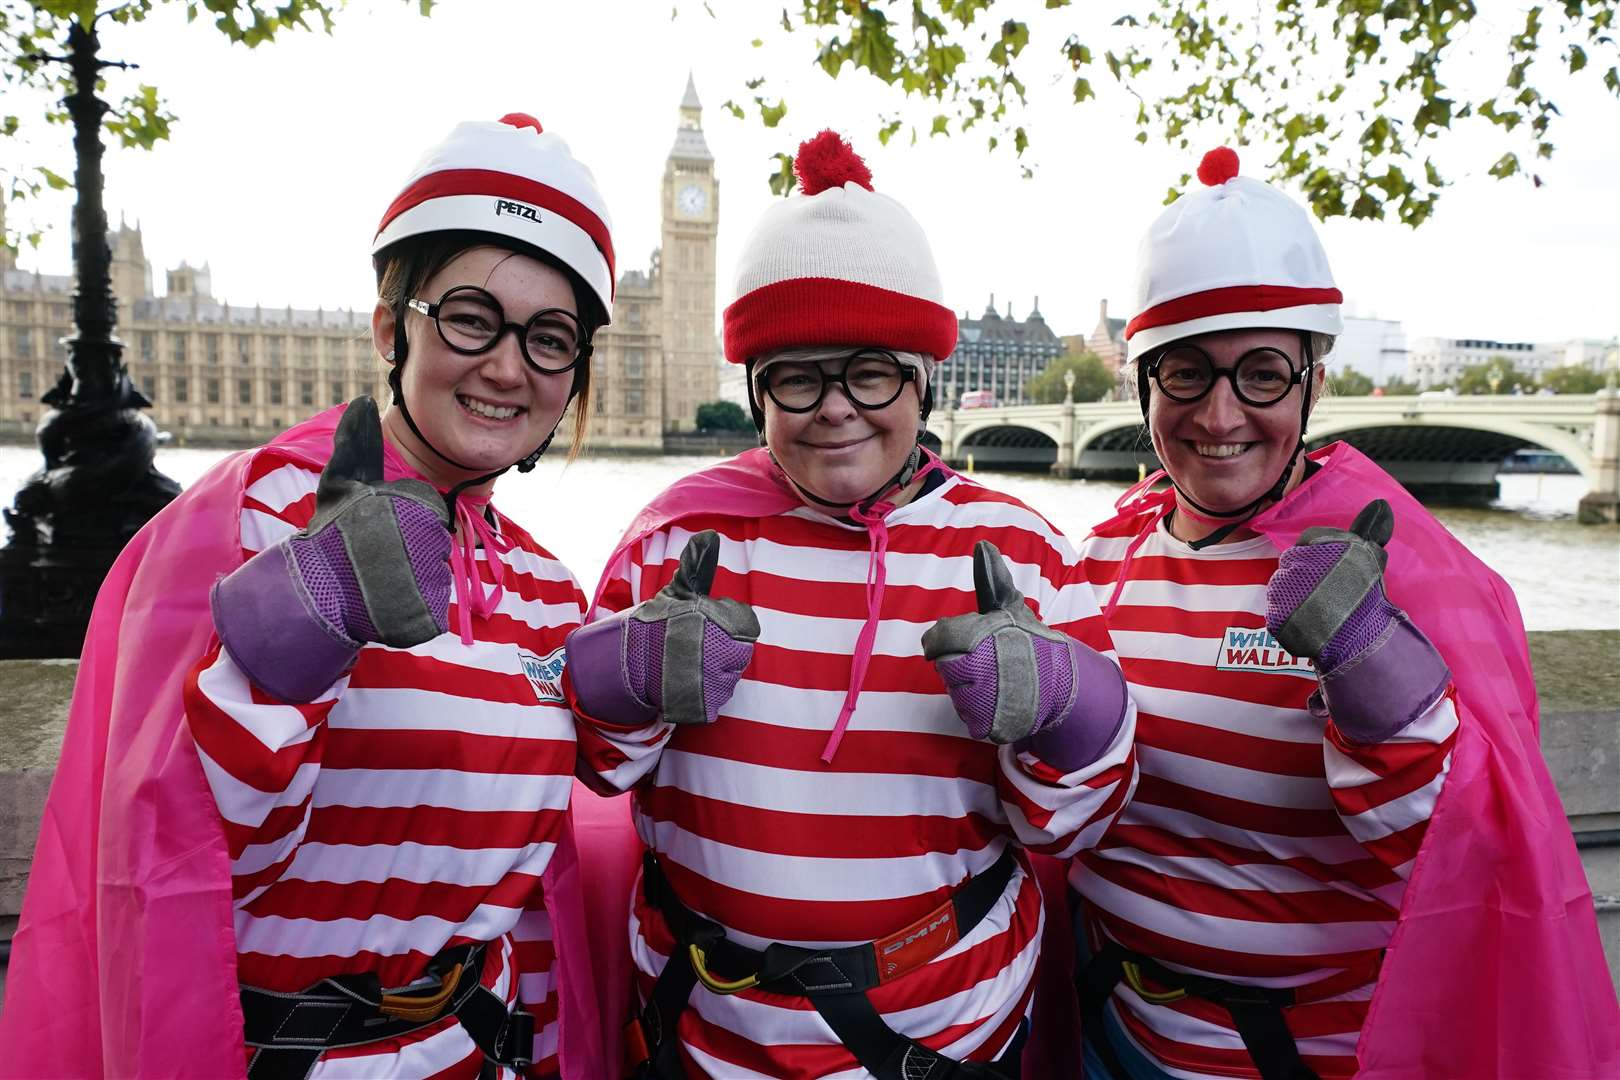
(691,211)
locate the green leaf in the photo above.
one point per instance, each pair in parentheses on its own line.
(942,125)
(771,115)
(782,179)
(1082,90)
(1505,166)
(1014,36)
(54,181)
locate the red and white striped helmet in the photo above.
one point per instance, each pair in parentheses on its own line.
(1234,254)
(511,179)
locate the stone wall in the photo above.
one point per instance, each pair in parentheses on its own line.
(1577,674)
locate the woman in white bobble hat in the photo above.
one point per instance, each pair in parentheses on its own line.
(311,818)
(816,667)
(1344,855)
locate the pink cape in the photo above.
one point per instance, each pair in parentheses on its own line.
(124,962)
(1495,968)
(751,485)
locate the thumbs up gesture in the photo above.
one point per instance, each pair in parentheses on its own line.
(371,565)
(1326,602)
(1011,676)
(677,656)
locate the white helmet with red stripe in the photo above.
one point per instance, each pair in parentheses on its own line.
(511,179)
(1234,254)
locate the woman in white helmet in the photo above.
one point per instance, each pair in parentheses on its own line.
(332,838)
(839,715)
(1344,855)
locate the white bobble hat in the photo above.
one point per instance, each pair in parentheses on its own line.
(837,264)
(511,179)
(1234,254)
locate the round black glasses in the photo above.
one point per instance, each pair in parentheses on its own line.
(471,321)
(1261,377)
(871,379)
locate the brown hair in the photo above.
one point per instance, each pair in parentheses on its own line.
(404,268)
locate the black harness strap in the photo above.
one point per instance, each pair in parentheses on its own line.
(1256,1011)
(291,1031)
(834,980)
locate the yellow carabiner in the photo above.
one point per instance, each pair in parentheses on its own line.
(1133,976)
(718,986)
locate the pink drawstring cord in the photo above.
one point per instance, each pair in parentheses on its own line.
(877,531)
(474,531)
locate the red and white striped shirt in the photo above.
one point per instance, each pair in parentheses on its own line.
(411,807)
(756,833)
(1258,848)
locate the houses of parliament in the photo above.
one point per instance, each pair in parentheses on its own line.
(230,374)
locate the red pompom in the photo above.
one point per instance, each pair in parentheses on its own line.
(827,161)
(1218,166)
(521,120)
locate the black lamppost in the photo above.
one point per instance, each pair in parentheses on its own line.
(99,484)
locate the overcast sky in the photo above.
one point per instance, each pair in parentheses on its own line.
(284,158)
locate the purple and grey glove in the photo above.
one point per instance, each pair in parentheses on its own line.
(1012,678)
(1326,602)
(372,565)
(679,655)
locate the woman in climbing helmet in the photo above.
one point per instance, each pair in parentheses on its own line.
(1341,798)
(325,683)
(840,717)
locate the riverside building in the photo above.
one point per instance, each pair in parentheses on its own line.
(998,353)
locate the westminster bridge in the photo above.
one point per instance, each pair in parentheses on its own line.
(1441,447)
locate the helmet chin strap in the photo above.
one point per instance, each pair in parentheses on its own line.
(395,383)
(895,483)
(1242,514)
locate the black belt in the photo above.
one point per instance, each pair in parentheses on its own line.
(835,981)
(292,1031)
(1256,1010)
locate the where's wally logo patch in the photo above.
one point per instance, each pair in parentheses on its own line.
(545,675)
(1248,648)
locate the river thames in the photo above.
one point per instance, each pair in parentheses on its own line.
(1567,576)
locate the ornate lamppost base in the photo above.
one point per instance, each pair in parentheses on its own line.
(48,594)
(70,521)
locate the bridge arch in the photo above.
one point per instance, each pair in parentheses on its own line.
(967,430)
(1020,446)
(1114,434)
(1494,440)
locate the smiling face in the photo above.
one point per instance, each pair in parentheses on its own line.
(486,411)
(1223,453)
(837,450)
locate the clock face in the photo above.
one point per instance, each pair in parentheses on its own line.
(692,199)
